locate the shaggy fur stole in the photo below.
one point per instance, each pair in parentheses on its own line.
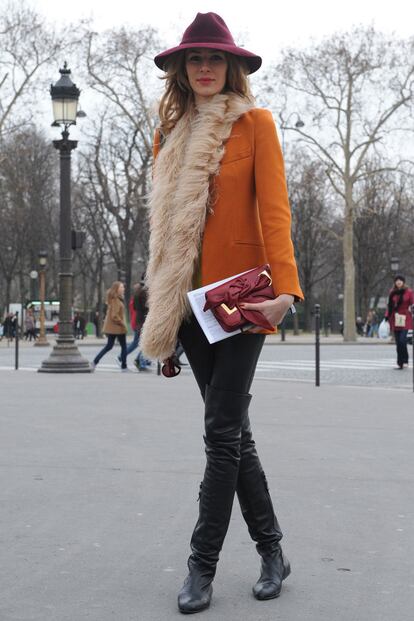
(179,202)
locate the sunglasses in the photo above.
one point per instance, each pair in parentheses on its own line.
(171,367)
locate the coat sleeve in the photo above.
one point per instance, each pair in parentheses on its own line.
(273,204)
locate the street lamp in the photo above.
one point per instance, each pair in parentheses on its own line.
(395,264)
(298,125)
(42,340)
(65,356)
(33,277)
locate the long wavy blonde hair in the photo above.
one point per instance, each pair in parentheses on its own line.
(178,95)
(113,291)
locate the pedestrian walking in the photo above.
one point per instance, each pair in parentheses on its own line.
(137,312)
(359,325)
(96,323)
(371,325)
(30,325)
(79,326)
(114,325)
(9,326)
(398,313)
(219,206)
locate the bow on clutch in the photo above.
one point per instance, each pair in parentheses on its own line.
(224,301)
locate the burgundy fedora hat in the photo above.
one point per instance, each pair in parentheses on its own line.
(209,30)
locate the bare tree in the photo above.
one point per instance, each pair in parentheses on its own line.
(27,45)
(117,164)
(352,91)
(28,206)
(116,179)
(90,217)
(313,218)
(383,228)
(118,68)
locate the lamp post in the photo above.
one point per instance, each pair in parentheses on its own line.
(33,289)
(65,356)
(298,125)
(42,340)
(395,264)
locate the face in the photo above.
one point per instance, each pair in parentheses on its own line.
(121,289)
(206,72)
(399,283)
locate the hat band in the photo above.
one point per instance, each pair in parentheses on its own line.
(211,39)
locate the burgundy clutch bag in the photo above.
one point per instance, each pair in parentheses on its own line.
(224,301)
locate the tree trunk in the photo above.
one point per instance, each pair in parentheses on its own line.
(308,301)
(100,298)
(307,311)
(8,287)
(349,268)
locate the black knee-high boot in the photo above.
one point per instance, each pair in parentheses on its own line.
(224,412)
(258,512)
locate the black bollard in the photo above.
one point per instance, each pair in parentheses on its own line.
(158,367)
(317,344)
(16,342)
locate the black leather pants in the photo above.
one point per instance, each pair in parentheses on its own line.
(224,373)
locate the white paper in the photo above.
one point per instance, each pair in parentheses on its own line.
(209,324)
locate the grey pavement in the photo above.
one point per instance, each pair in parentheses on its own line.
(99,480)
(369,362)
(303,338)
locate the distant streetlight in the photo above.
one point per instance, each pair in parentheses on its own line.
(65,356)
(298,125)
(395,264)
(33,278)
(42,340)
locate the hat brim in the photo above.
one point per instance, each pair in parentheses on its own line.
(252,61)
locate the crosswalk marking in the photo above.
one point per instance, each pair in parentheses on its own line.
(346,363)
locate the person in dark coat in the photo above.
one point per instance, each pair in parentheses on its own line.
(8,326)
(141,310)
(399,315)
(137,313)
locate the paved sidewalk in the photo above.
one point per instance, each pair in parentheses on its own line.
(99,479)
(291,339)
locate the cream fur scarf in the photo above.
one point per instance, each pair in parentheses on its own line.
(179,202)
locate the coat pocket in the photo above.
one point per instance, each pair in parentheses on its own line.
(230,158)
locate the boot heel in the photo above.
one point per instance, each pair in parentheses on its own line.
(287,570)
(197,589)
(275,568)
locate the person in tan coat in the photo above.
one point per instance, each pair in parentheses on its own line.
(219,206)
(114,325)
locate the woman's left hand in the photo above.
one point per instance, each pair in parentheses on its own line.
(273,310)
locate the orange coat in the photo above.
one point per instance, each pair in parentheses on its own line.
(251,223)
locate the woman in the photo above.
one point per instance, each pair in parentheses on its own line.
(398,313)
(219,207)
(30,325)
(114,324)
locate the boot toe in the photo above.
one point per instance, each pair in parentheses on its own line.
(267,590)
(275,569)
(188,603)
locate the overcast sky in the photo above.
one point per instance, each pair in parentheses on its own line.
(265,27)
